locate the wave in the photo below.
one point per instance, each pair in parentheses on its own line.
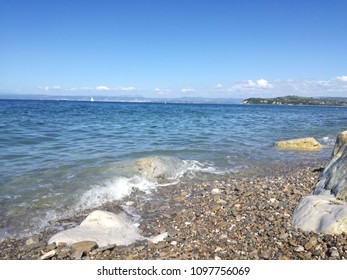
(147,174)
(328,141)
(141,176)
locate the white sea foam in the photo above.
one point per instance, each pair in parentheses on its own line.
(194,168)
(327,141)
(121,187)
(113,190)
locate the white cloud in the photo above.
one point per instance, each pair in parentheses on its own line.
(48,88)
(330,87)
(342,78)
(102,88)
(127,88)
(219,86)
(188,89)
(250,85)
(162,91)
(263,84)
(336,86)
(97,88)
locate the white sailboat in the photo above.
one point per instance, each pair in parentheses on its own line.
(91,99)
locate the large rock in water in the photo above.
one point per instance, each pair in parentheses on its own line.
(326,210)
(159,169)
(105,228)
(304,144)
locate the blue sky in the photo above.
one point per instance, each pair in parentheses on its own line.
(162,48)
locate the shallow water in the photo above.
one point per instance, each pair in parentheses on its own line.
(59,157)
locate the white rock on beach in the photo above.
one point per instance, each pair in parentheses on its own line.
(322,214)
(158,238)
(326,210)
(105,228)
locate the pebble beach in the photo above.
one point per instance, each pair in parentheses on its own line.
(245,216)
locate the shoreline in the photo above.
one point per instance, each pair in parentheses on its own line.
(246,216)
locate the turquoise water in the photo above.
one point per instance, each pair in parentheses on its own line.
(59,157)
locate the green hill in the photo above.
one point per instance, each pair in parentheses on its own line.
(297,100)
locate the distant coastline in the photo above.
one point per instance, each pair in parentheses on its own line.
(297,101)
(125,98)
(282,100)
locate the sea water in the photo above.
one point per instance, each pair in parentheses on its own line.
(59,157)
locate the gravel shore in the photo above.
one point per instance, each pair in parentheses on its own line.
(246,216)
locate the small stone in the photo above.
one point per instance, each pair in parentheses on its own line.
(218,249)
(317,253)
(198,211)
(293,243)
(107,253)
(283,236)
(172,232)
(159,238)
(221,201)
(85,246)
(223,236)
(173,243)
(215,191)
(216,197)
(51,247)
(333,252)
(179,198)
(266,255)
(164,207)
(313,240)
(61,245)
(299,249)
(49,255)
(308,245)
(237,207)
(283,258)
(65,250)
(160,245)
(62,255)
(77,254)
(215,207)
(32,240)
(240,188)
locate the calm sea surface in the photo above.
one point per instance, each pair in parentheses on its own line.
(59,157)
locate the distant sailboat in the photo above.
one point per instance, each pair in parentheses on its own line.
(91,99)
